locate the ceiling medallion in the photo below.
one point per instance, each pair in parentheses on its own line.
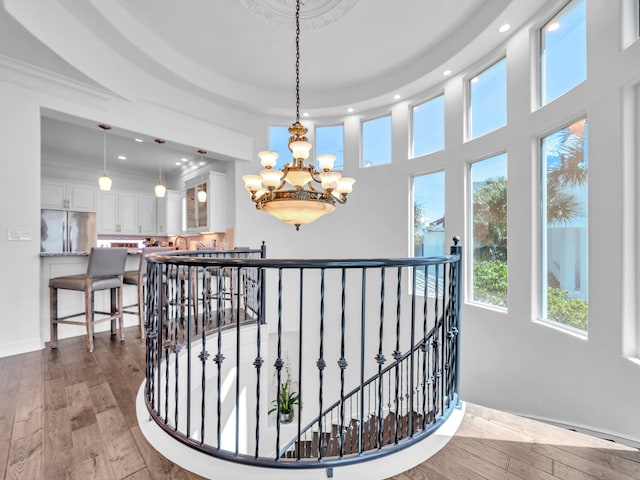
(317,13)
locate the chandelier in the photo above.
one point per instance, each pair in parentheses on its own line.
(298,194)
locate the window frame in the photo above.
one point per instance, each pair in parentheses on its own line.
(370,119)
(278,163)
(539,297)
(412,154)
(412,178)
(467,115)
(538,70)
(469,297)
(317,152)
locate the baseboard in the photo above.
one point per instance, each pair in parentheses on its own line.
(604,435)
(23,346)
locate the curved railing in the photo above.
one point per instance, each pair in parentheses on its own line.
(228,333)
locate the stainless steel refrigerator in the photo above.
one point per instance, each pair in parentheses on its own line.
(62,231)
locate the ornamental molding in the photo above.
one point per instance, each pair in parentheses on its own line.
(314,14)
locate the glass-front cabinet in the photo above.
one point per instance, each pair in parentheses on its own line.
(196,213)
(204,205)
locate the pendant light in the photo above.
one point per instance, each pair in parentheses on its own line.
(104,182)
(160,189)
(202,193)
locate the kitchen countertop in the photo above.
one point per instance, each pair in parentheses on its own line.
(79,254)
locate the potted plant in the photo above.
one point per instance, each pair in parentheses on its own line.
(288,399)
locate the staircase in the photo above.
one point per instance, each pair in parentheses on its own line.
(374,436)
(404,400)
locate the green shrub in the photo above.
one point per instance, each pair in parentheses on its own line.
(564,309)
(490,282)
(490,287)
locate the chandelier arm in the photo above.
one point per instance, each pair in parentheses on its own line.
(315,175)
(342,199)
(314,189)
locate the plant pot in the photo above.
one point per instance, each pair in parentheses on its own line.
(286,417)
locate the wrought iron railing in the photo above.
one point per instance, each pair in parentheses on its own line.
(227,331)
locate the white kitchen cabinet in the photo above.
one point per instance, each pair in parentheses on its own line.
(61,195)
(126,212)
(147,217)
(169,214)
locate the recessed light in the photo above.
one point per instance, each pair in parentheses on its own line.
(305,114)
(139,140)
(178,163)
(397,96)
(350,110)
(121,157)
(202,163)
(185,159)
(447,72)
(504,28)
(552,27)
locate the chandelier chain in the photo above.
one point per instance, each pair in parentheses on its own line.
(298,61)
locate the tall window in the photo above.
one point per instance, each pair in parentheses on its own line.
(564,51)
(330,139)
(428,127)
(489,225)
(279,142)
(428,215)
(488,100)
(376,141)
(564,226)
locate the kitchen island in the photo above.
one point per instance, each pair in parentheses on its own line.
(69,302)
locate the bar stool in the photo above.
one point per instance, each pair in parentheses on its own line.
(104,272)
(138,278)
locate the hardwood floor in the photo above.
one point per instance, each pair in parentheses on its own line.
(67,413)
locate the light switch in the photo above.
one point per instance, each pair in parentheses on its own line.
(19,234)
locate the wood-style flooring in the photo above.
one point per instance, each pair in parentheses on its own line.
(69,414)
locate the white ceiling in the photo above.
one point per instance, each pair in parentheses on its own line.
(70,140)
(240,53)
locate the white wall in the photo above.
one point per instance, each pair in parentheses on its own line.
(509,360)
(20,110)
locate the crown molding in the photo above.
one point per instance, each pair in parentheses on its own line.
(29,76)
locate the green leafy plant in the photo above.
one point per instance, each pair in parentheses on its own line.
(288,398)
(564,309)
(490,282)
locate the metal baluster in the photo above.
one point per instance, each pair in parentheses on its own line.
(219,357)
(189,348)
(278,365)
(442,342)
(425,346)
(321,364)
(456,249)
(411,426)
(204,356)
(397,354)
(238,372)
(301,309)
(380,357)
(259,360)
(362,343)
(342,363)
(435,345)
